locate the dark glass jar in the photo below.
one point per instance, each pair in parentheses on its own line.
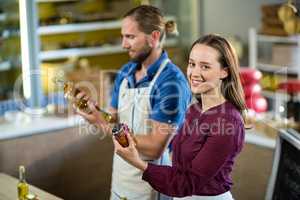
(119,131)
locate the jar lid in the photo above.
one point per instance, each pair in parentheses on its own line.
(117,129)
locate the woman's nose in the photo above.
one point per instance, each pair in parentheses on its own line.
(197,71)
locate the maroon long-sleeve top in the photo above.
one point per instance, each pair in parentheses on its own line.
(204,150)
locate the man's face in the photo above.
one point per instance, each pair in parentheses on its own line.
(134,40)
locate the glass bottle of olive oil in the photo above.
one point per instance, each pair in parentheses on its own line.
(23,187)
(70,93)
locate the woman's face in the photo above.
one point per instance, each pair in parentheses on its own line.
(204,71)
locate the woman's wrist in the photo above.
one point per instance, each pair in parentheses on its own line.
(142,165)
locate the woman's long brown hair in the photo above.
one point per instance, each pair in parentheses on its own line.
(231,87)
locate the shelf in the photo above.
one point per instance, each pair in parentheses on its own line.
(90,51)
(278,69)
(5,66)
(49,1)
(274,95)
(288,39)
(80,27)
(2,17)
(10,33)
(277,95)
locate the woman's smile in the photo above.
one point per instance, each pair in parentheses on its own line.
(196,82)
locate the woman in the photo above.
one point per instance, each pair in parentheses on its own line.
(212,135)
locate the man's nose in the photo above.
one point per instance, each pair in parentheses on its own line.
(125,44)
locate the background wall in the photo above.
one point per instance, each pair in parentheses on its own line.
(231,17)
(226,17)
(187,15)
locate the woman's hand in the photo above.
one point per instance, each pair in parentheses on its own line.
(130,153)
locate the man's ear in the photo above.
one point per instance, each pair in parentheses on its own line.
(224,72)
(154,39)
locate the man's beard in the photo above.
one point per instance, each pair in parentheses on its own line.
(143,55)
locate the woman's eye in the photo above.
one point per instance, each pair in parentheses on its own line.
(191,64)
(205,67)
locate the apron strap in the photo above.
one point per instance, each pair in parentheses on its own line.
(161,68)
(124,84)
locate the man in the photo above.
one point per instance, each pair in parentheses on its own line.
(150,95)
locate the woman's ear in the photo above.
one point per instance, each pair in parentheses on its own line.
(224,72)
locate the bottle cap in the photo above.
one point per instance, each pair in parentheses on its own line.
(22,168)
(117,129)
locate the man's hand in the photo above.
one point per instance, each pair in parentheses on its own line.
(94,116)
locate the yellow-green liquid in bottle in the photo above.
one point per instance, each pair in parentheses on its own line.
(23,188)
(82,104)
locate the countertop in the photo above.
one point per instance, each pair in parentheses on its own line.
(8,189)
(23,125)
(26,126)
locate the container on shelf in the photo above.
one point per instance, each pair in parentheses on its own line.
(286,55)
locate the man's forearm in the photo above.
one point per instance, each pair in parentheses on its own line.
(149,146)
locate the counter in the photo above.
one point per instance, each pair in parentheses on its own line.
(36,125)
(39,125)
(8,189)
(50,148)
(257,138)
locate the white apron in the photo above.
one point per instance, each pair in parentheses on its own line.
(224,196)
(133,110)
